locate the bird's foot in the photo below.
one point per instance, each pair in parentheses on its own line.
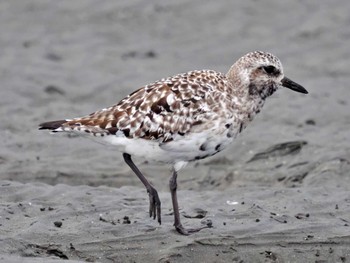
(154,204)
(188,231)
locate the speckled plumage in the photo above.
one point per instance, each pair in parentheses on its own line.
(188,116)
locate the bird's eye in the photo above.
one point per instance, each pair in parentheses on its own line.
(270,70)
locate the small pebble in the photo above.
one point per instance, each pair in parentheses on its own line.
(52,89)
(310,122)
(126,220)
(57,223)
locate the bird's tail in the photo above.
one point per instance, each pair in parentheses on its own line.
(54,126)
(77,125)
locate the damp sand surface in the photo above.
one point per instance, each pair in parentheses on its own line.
(280,193)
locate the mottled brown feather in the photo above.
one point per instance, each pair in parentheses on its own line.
(156,111)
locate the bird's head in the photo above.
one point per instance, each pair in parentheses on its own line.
(262,73)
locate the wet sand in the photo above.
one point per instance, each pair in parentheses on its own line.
(68,198)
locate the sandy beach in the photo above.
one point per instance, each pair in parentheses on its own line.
(280,193)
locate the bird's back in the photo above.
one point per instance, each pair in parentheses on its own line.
(186,108)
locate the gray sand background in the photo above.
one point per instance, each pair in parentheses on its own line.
(62,59)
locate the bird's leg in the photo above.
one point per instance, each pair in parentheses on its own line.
(177,222)
(154,201)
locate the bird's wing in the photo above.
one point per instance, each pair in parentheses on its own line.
(159,111)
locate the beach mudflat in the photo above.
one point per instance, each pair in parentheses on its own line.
(280,193)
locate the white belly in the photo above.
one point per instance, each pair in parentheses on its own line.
(187,148)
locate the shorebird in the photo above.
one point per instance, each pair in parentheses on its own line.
(184,118)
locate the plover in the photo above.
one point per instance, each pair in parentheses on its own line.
(184,118)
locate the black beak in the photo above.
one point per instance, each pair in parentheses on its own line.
(286,82)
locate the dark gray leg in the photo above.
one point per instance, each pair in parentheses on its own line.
(177,221)
(154,201)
